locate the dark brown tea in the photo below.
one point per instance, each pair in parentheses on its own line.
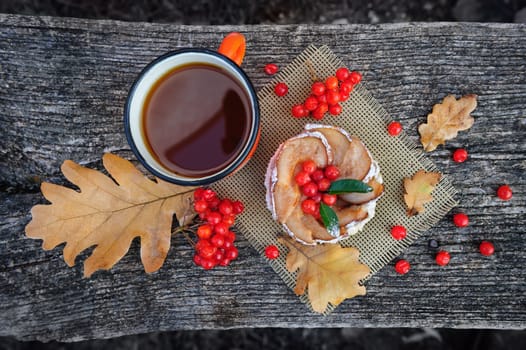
(196,119)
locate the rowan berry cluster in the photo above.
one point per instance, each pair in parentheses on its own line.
(314,182)
(215,244)
(327,96)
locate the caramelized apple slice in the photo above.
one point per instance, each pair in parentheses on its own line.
(338,141)
(286,193)
(360,198)
(357,161)
(306,228)
(350,154)
(351,213)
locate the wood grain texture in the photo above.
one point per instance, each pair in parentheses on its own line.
(63,83)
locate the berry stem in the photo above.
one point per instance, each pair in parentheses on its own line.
(192,243)
(185,228)
(312,72)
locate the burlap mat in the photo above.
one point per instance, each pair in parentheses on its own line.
(362,116)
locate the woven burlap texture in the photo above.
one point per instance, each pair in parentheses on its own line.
(362,116)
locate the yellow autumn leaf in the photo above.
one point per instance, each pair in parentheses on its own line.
(109,213)
(329,272)
(418,190)
(446,120)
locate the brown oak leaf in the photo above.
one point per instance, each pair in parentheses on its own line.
(109,213)
(418,190)
(331,273)
(446,120)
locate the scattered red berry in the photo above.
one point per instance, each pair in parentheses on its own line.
(229,219)
(335,109)
(331,83)
(219,255)
(224,262)
(198,194)
(460,155)
(204,214)
(322,98)
(343,96)
(460,220)
(208,194)
(342,74)
(207,264)
(200,206)
(271,252)
(228,244)
(346,87)
(208,251)
(230,236)
(317,175)
(214,218)
(204,231)
(281,89)
(442,258)
(309,166)
(333,97)
(232,253)
(218,241)
(197,259)
(309,189)
(221,228)
(355,77)
(398,232)
(324,184)
(271,69)
(214,203)
(201,243)
(394,128)
(302,178)
(402,266)
(225,207)
(486,248)
(332,172)
(504,192)
(320,111)
(317,214)
(318,114)
(329,199)
(317,198)
(308,206)
(238,207)
(318,88)
(311,103)
(299,111)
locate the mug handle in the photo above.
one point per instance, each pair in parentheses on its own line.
(233,47)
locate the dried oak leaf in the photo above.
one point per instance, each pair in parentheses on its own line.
(331,273)
(418,190)
(446,120)
(109,214)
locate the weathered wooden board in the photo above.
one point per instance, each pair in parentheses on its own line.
(63,83)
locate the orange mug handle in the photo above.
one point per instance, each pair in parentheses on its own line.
(233,47)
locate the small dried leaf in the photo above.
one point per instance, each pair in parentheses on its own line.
(446,120)
(331,273)
(110,215)
(418,190)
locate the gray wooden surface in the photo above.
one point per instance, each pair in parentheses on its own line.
(63,83)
